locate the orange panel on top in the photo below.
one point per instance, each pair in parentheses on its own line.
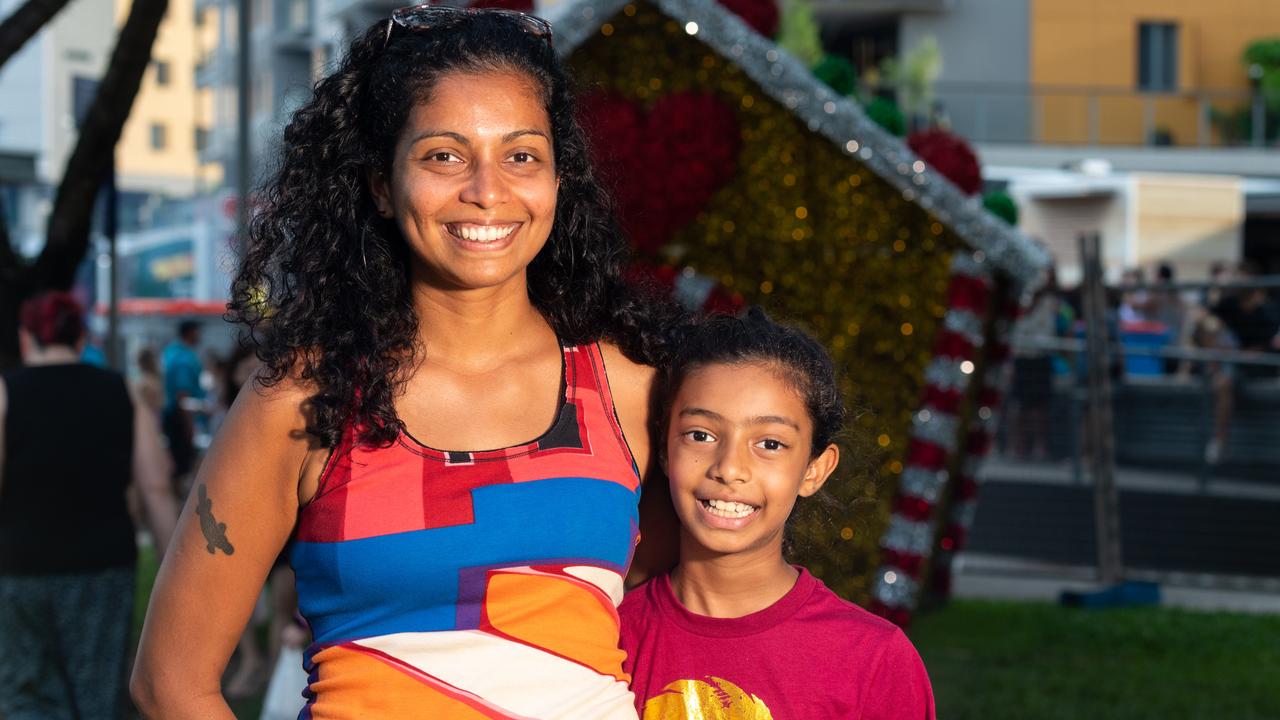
(577,604)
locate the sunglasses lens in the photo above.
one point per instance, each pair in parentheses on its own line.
(422,17)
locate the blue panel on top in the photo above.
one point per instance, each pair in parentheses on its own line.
(408,582)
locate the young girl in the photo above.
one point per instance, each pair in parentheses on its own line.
(752,409)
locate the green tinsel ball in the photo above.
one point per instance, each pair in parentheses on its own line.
(1001,205)
(885,113)
(839,73)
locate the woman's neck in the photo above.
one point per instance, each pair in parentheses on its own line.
(51,355)
(729,586)
(473,326)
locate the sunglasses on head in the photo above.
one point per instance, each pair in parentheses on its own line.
(439,17)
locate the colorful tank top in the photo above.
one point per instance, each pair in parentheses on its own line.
(474,584)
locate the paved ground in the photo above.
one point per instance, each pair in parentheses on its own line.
(1214,548)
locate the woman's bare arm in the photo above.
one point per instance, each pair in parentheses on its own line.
(241,512)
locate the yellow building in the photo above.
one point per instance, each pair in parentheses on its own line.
(1138,72)
(159,149)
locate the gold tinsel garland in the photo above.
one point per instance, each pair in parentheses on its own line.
(813,236)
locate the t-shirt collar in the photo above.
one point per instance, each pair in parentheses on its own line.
(756,622)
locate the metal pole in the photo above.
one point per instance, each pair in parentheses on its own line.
(110,223)
(1259,120)
(245,94)
(1102,438)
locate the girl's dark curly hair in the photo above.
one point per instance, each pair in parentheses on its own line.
(324,287)
(799,359)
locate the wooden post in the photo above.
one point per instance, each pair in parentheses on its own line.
(1106,504)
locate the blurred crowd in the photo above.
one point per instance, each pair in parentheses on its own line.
(1228,327)
(94,467)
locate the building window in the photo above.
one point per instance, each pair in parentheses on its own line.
(157,136)
(162,72)
(1158,57)
(202,139)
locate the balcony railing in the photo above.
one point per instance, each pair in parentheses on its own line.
(1063,115)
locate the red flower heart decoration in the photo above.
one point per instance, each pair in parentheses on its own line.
(662,166)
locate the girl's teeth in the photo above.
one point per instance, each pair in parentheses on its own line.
(728,509)
(484,233)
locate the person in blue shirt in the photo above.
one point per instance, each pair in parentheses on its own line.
(182,390)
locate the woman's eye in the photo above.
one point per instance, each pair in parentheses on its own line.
(523,158)
(443,156)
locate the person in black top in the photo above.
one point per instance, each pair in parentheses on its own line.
(73,445)
(1253,319)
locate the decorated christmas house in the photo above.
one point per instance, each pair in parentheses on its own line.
(742,178)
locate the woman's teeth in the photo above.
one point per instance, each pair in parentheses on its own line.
(728,509)
(482,233)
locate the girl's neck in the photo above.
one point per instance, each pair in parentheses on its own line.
(730,586)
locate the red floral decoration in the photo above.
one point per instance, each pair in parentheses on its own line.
(762,15)
(663,166)
(950,155)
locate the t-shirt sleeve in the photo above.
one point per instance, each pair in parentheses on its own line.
(899,688)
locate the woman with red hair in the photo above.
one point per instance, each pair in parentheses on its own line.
(72,443)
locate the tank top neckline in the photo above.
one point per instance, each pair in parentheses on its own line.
(566,396)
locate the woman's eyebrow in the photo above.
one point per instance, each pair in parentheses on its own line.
(517,133)
(428,134)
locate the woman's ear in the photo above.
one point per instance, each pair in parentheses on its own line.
(819,469)
(381,193)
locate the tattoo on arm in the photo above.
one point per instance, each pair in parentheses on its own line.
(215,533)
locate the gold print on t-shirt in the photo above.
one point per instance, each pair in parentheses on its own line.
(698,700)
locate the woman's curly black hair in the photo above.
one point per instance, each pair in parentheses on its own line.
(323,289)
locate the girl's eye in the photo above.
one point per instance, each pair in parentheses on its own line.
(699,436)
(772,445)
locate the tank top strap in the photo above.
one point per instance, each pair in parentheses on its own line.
(592,385)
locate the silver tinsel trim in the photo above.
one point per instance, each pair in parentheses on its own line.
(908,536)
(899,593)
(837,118)
(966,324)
(946,374)
(924,484)
(938,428)
(972,265)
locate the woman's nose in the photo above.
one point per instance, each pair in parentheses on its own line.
(486,187)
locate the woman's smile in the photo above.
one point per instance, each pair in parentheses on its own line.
(484,237)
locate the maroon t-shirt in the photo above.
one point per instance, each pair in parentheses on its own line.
(811,655)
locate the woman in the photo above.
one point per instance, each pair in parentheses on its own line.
(72,444)
(441,271)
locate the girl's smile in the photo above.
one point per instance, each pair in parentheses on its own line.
(738,456)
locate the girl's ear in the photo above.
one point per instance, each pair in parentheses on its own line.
(819,469)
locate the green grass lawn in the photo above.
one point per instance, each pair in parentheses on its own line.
(995,660)
(1036,661)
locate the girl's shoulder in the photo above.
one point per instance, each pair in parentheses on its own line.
(840,616)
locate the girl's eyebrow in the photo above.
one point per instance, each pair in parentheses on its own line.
(775,420)
(757,420)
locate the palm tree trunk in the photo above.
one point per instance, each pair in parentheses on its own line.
(24,23)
